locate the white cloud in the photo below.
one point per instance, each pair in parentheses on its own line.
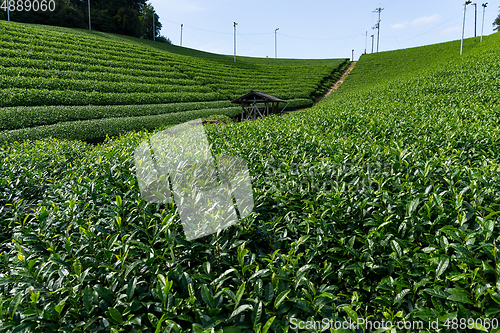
(449,31)
(417,22)
(426,20)
(399,25)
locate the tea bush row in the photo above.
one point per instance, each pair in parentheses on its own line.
(7,82)
(36,97)
(381,201)
(31,72)
(25,116)
(96,130)
(21,117)
(92,73)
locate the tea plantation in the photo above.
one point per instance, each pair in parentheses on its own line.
(61,82)
(380,203)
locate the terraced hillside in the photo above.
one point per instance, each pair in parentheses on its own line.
(70,78)
(381,202)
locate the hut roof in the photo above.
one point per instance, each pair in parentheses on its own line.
(257,96)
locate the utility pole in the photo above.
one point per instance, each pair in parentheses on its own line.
(484,12)
(352,55)
(468,2)
(377,26)
(90,25)
(276,43)
(154,30)
(475,20)
(373,37)
(366,41)
(181,33)
(235,24)
(8,11)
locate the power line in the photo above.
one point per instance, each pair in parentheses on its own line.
(201,40)
(347,39)
(194,28)
(207,45)
(217,32)
(431,29)
(318,39)
(248,40)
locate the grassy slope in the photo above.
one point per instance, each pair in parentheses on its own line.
(380,201)
(186,51)
(382,67)
(47,70)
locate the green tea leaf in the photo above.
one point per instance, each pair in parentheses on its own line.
(257,313)
(132,284)
(153,319)
(281,298)
(89,323)
(168,286)
(268,324)
(158,326)
(395,246)
(351,313)
(77,266)
(59,307)
(401,295)
(442,266)
(269,292)
(119,201)
(239,294)
(14,303)
(240,309)
(106,294)
(115,316)
(87,298)
(207,296)
(495,297)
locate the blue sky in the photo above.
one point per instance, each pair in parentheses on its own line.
(316,29)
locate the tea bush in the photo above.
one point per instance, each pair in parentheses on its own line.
(381,202)
(23,116)
(68,75)
(96,130)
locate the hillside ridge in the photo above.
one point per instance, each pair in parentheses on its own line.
(61,77)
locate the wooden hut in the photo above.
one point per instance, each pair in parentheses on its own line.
(258,104)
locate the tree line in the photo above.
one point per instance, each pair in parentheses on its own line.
(497,23)
(124,17)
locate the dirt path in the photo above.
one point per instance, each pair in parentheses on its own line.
(337,84)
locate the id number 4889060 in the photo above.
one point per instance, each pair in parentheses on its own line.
(28,5)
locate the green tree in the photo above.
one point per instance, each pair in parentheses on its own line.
(497,23)
(147,22)
(126,21)
(124,17)
(65,14)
